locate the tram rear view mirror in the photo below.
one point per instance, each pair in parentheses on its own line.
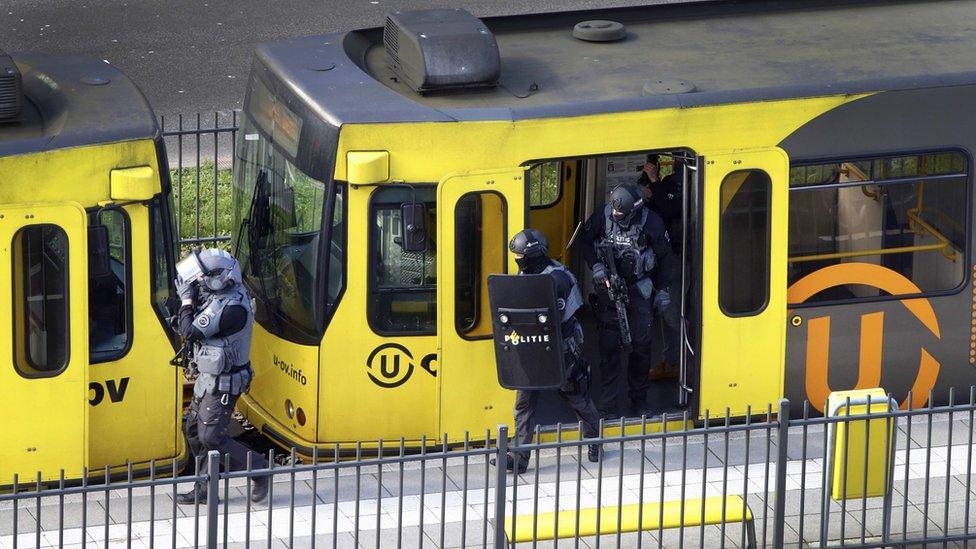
(98,254)
(413,226)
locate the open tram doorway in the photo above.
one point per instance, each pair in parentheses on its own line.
(562,195)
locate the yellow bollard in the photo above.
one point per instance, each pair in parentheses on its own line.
(860,447)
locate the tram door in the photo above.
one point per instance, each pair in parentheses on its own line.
(44,322)
(743,280)
(477,215)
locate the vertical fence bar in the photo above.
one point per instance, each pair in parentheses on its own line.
(315,490)
(379,491)
(291,496)
(725,474)
(559,464)
(61,509)
(108,480)
(684,478)
(640,483)
(400,496)
(484,510)
(128,510)
(355,527)
(213,489)
(969,461)
(803,468)
(335,499)
(16,511)
(196,135)
(782,440)
(270,495)
(704,489)
(247,501)
(423,487)
(745,475)
(37,517)
(227,499)
(948,475)
(443,488)
(501,454)
(464,491)
(765,496)
(620,484)
(535,494)
(908,459)
(928,466)
(579,480)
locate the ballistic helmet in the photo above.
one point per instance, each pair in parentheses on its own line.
(215,270)
(530,243)
(625,202)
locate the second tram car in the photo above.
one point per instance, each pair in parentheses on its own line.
(825,238)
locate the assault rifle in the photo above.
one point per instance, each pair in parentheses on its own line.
(617,290)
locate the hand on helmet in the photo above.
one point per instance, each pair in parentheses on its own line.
(188,291)
(662,299)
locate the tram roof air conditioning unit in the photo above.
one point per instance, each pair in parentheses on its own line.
(11,88)
(441,49)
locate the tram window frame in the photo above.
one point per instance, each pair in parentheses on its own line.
(93,216)
(339,194)
(162,255)
(559,185)
(965,177)
(478,274)
(725,272)
(373,312)
(21,321)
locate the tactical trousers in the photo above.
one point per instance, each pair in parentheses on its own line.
(670,319)
(575,393)
(640,315)
(213,412)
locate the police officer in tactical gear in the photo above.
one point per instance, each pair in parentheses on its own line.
(663,196)
(641,251)
(531,251)
(215,317)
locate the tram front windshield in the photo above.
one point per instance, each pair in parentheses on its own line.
(278,213)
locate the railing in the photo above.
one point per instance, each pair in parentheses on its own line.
(200,151)
(781,471)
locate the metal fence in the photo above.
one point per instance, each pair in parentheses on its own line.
(200,151)
(708,485)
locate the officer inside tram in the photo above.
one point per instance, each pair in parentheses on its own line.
(662,195)
(531,249)
(215,318)
(628,249)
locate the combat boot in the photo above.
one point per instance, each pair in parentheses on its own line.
(198,496)
(594,453)
(523,464)
(259,488)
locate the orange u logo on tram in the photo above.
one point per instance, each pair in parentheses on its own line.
(872,330)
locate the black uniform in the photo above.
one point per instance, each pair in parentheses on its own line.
(647,236)
(576,389)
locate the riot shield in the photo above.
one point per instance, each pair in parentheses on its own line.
(525,321)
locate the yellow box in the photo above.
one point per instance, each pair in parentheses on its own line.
(849,457)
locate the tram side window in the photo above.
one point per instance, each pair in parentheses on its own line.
(162,276)
(403,285)
(337,248)
(480,247)
(904,213)
(41,315)
(544,184)
(743,287)
(108,290)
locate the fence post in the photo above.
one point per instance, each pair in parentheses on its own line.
(782,441)
(501,458)
(213,488)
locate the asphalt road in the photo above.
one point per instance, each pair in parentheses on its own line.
(192,56)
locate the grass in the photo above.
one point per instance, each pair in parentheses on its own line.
(188,193)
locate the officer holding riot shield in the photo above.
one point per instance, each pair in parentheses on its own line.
(628,249)
(215,320)
(531,251)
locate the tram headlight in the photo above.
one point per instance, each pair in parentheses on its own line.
(300,416)
(289,408)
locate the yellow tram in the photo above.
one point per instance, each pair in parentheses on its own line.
(825,240)
(86,241)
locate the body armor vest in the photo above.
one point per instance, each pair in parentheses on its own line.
(634,256)
(221,361)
